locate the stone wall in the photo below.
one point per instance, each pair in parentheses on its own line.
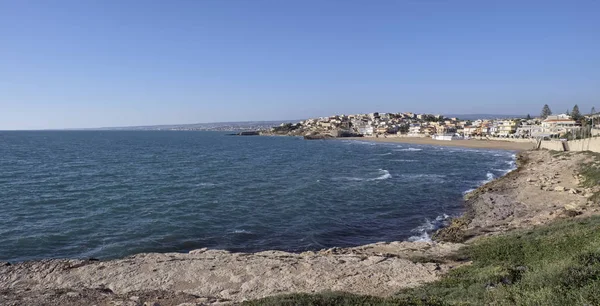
(588,144)
(505,139)
(554,145)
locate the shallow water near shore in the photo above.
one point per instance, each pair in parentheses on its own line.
(109,194)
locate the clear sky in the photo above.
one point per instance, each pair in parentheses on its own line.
(84,63)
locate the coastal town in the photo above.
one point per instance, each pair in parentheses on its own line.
(568,125)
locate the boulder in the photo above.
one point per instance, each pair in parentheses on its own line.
(249,133)
(559,188)
(345,133)
(317,136)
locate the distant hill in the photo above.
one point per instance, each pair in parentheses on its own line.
(212,126)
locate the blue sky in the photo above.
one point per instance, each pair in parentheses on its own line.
(67,64)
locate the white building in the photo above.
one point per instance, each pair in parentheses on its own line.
(559,124)
(366,130)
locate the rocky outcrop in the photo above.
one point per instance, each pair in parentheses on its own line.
(248,133)
(346,133)
(529,196)
(214,276)
(317,136)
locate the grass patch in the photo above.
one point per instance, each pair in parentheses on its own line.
(338,298)
(590,173)
(556,264)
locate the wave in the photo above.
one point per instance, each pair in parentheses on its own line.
(384,175)
(503,171)
(438,178)
(423,231)
(359,142)
(242,231)
(512,164)
(468,191)
(404,160)
(490,176)
(384,154)
(409,150)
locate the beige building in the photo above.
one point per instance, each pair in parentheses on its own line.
(559,124)
(507,127)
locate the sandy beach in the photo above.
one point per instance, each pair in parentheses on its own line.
(472,143)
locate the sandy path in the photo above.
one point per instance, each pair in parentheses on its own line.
(481,144)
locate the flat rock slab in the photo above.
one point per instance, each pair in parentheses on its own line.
(219,276)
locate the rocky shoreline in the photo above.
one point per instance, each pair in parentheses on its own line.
(544,187)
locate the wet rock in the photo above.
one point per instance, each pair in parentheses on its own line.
(318,136)
(198,251)
(249,133)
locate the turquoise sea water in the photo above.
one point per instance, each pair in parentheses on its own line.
(109,194)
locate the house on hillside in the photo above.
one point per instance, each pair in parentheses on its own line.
(470,130)
(559,124)
(507,127)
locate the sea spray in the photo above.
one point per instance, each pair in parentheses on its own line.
(384,175)
(429,226)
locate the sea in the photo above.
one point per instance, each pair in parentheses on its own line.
(110,194)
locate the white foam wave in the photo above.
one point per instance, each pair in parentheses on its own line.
(206,184)
(423,231)
(428,177)
(409,150)
(384,154)
(468,191)
(512,164)
(490,176)
(360,142)
(242,231)
(384,175)
(504,171)
(404,160)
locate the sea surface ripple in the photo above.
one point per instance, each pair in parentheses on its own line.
(109,194)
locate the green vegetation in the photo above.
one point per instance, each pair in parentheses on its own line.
(545,111)
(575,113)
(337,298)
(590,173)
(557,264)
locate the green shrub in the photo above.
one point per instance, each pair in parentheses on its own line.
(557,264)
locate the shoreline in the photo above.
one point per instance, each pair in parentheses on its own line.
(471,143)
(537,192)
